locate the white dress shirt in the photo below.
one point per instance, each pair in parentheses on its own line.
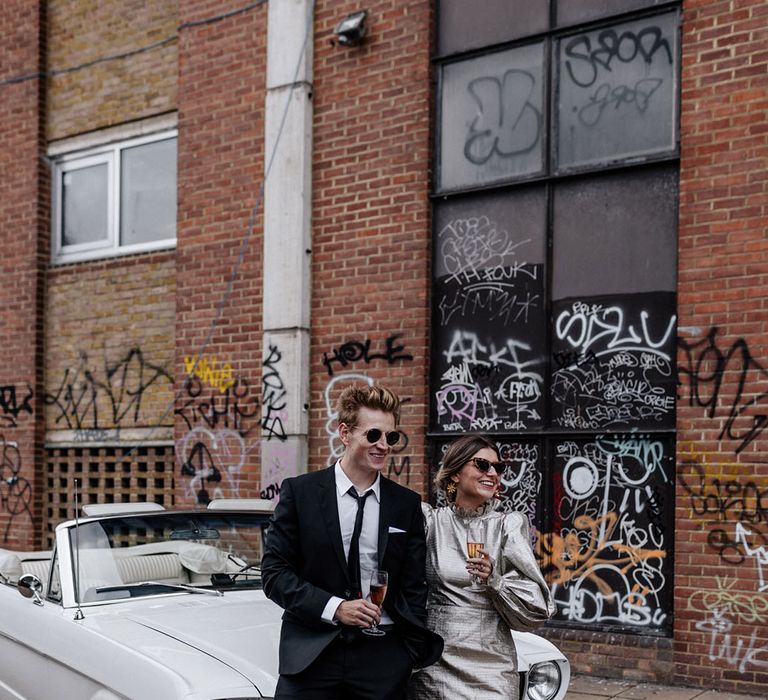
(369,536)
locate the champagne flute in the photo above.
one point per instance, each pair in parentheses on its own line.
(379,581)
(475,542)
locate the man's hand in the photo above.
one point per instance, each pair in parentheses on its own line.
(358,613)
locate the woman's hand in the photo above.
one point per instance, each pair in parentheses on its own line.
(481,566)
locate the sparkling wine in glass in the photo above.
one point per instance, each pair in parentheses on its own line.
(379,581)
(475,542)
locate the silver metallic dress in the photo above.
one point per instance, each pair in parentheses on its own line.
(479,660)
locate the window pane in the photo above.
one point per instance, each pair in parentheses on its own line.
(148,193)
(615,233)
(491,118)
(85,206)
(489,322)
(614,271)
(617,92)
(469,25)
(608,555)
(570,12)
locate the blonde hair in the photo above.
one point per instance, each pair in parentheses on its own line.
(375,398)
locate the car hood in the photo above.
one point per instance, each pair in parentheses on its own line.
(238,629)
(532,649)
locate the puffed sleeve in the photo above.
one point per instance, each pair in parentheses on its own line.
(429,513)
(516,586)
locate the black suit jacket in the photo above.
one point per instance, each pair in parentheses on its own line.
(304,566)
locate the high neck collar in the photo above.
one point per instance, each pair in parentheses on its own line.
(487,507)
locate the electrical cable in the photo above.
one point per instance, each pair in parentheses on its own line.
(226,15)
(134,52)
(259,198)
(245,240)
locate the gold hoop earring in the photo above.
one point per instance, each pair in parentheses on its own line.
(450,488)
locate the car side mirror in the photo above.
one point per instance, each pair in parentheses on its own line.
(31,587)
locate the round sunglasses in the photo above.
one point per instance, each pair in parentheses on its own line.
(373,435)
(484,465)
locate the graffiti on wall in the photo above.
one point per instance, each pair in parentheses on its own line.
(725,610)
(521,480)
(210,371)
(735,512)
(233,409)
(15,490)
(273,396)
(13,403)
(360,351)
(110,395)
(507,120)
(214,449)
(607,562)
(488,375)
(614,363)
(728,383)
(616,90)
(281,453)
(589,60)
(211,461)
(279,460)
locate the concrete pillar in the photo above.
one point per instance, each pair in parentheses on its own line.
(287,243)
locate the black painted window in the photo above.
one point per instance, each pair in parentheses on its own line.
(554,284)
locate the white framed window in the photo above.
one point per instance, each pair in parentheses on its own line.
(115,199)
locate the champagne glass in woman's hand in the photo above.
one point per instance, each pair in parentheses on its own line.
(475,542)
(379,581)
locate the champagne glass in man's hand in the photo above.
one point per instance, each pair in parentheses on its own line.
(379,581)
(475,542)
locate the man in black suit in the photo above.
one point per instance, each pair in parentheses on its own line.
(307,568)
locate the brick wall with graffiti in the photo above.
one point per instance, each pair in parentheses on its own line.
(218,353)
(23,226)
(109,365)
(721,543)
(471,267)
(370,224)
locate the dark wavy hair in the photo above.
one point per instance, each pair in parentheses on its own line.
(458,453)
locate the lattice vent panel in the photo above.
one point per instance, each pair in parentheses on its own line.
(104,475)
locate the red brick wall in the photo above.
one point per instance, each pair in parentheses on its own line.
(23,227)
(371,228)
(721,612)
(222,68)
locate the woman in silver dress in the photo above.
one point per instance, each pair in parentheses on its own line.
(479,660)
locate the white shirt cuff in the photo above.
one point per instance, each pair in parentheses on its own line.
(330,610)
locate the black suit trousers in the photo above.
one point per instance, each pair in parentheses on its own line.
(354,666)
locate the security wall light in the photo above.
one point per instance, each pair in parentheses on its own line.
(351,30)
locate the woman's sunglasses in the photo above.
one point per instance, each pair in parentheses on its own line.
(374,435)
(484,465)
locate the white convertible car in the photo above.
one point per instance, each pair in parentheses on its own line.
(139,603)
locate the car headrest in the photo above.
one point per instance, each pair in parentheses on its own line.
(10,565)
(202,558)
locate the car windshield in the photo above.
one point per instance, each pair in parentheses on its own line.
(163,553)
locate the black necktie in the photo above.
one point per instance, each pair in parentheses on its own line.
(353,559)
